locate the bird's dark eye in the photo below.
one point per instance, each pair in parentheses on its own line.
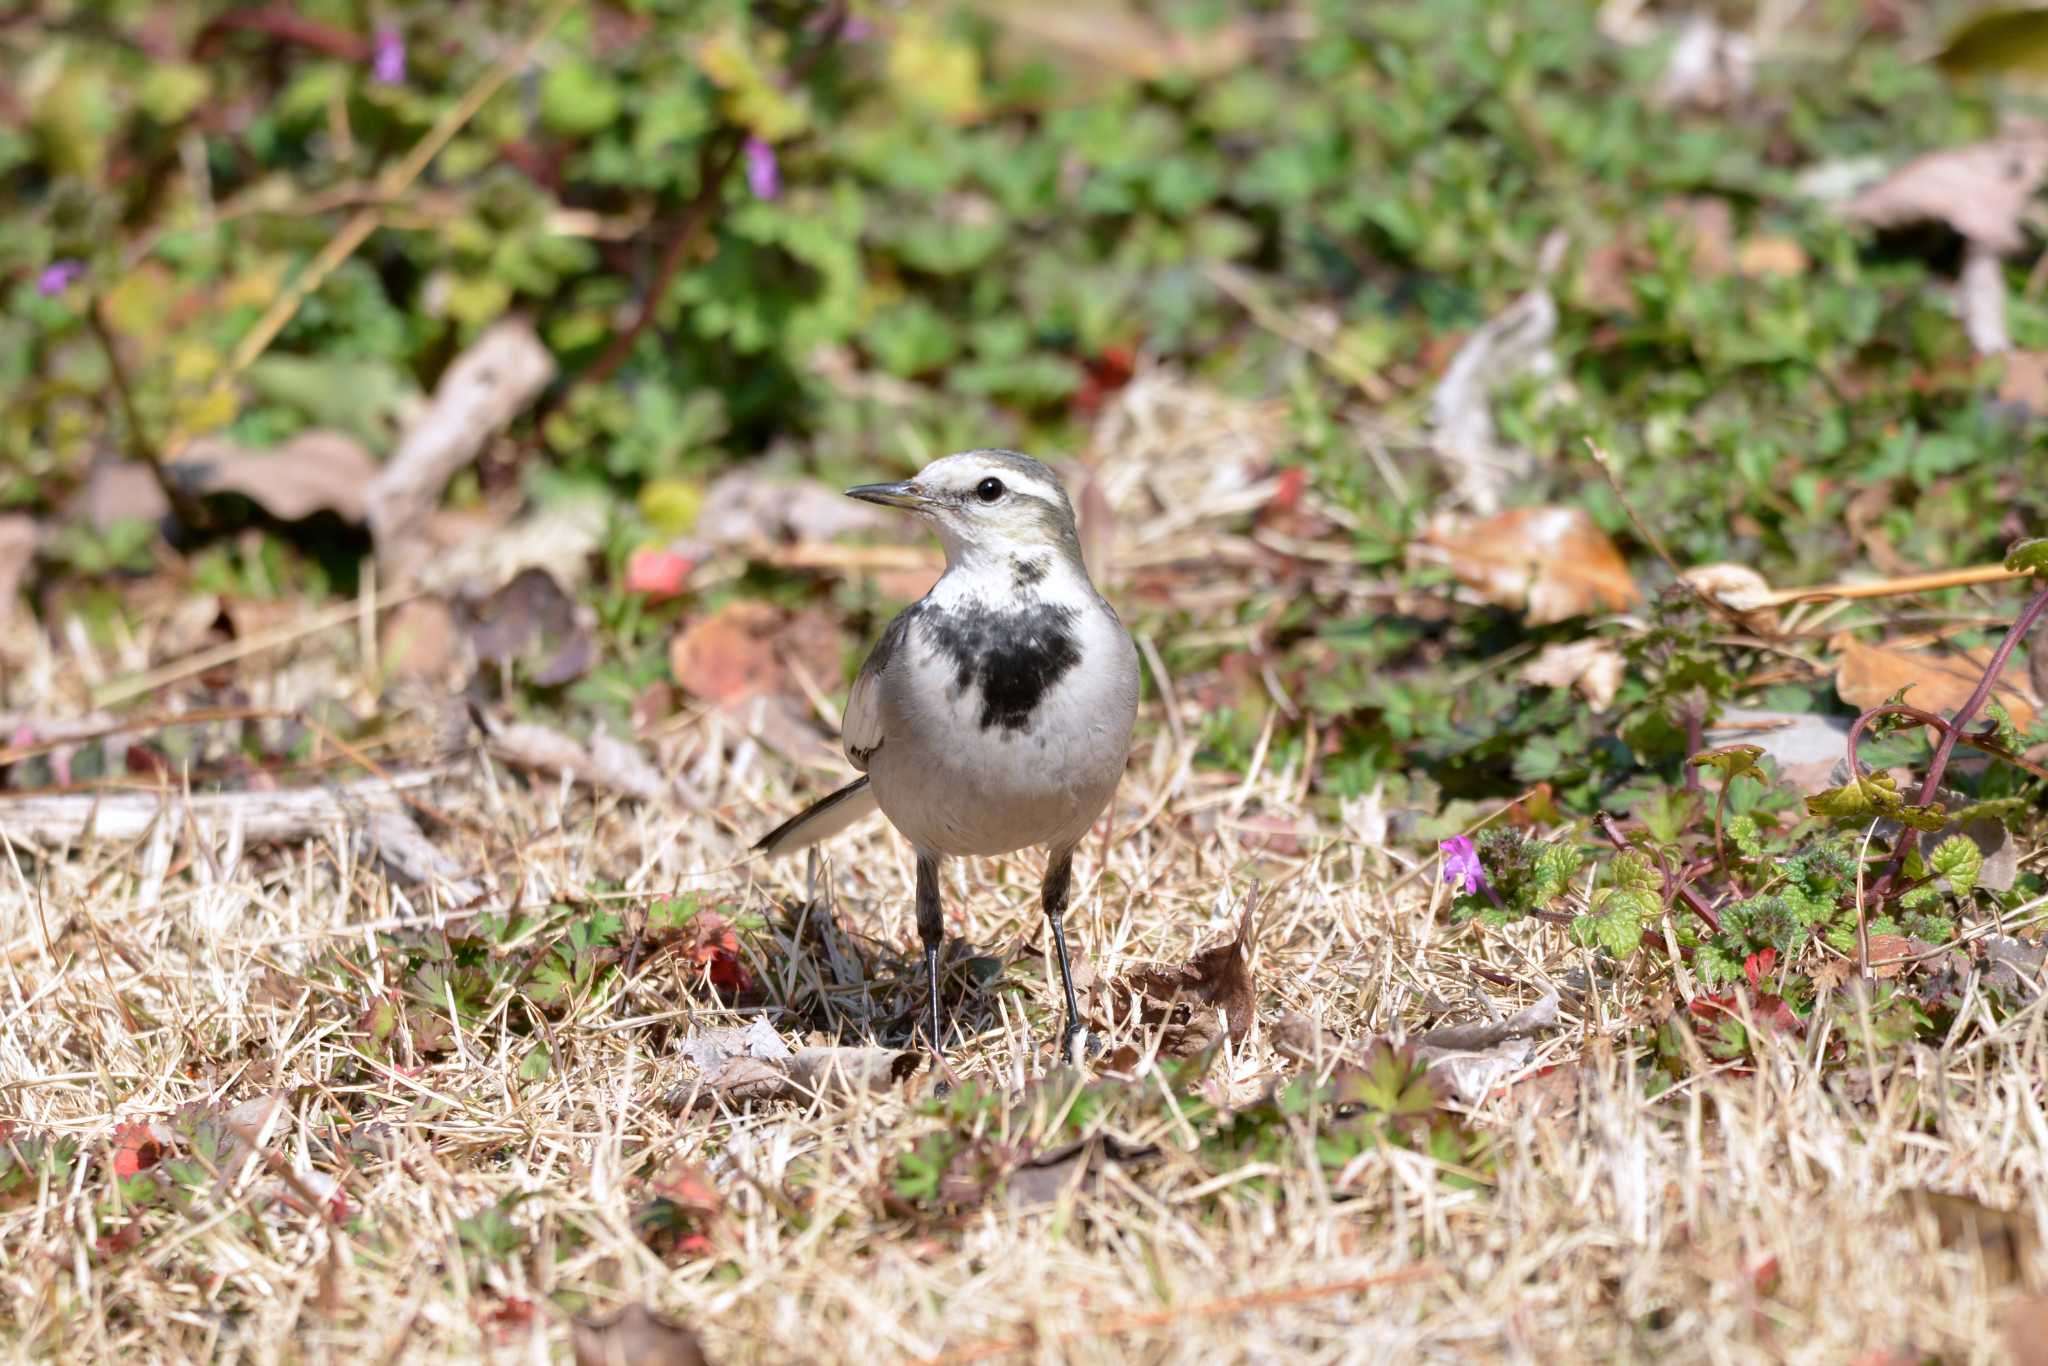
(988,490)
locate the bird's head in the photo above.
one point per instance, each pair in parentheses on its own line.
(986,503)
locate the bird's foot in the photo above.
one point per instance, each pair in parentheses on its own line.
(1077,1045)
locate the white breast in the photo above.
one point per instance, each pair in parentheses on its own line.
(959,774)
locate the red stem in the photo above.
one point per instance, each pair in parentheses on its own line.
(1951,733)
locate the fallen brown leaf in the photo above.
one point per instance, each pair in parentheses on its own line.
(1981,190)
(635,1336)
(1831,973)
(1592,667)
(752,647)
(1738,588)
(2025,381)
(315,471)
(1867,675)
(1218,975)
(1888,953)
(418,639)
(832,1071)
(1549,563)
(605,762)
(532,621)
(2006,1240)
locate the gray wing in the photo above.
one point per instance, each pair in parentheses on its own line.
(861,731)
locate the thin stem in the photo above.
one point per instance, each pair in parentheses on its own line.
(1685,893)
(1951,733)
(141,449)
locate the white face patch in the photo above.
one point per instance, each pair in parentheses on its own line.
(963,473)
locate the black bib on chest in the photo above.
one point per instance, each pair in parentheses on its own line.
(1012,655)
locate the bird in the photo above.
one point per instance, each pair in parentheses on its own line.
(995,713)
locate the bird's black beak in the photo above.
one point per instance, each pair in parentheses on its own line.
(903,495)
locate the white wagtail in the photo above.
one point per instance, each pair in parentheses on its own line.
(995,712)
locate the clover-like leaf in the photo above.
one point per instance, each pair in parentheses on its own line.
(1731,761)
(2028,557)
(1958,859)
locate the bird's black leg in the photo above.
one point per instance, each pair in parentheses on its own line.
(1059,876)
(931,928)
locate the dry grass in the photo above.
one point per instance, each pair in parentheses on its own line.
(1763,1213)
(1729,1218)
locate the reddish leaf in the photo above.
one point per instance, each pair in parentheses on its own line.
(1758,966)
(137,1148)
(716,950)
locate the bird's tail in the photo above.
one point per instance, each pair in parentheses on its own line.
(819,821)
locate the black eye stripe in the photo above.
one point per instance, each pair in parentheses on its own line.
(989,489)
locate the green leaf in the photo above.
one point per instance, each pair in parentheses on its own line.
(1743,830)
(1958,859)
(1998,43)
(1873,795)
(1393,1082)
(534,1066)
(1633,871)
(1617,919)
(1555,868)
(1731,762)
(2028,556)
(172,90)
(577,99)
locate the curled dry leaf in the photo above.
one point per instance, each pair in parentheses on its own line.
(1738,588)
(1514,343)
(1981,190)
(532,621)
(1980,299)
(1868,675)
(315,471)
(710,1049)
(606,762)
(1549,563)
(1592,667)
(635,1336)
(810,1073)
(1219,976)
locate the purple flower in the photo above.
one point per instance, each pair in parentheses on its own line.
(764,177)
(1461,866)
(57,277)
(387,59)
